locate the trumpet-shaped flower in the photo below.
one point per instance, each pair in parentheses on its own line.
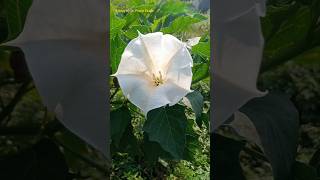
(66,56)
(237,56)
(155,70)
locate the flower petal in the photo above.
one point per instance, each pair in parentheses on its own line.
(151,42)
(193,41)
(181,77)
(131,64)
(60,19)
(135,59)
(174,52)
(71,82)
(167,93)
(155,55)
(179,70)
(145,96)
(180,59)
(238,50)
(64,43)
(136,88)
(228,10)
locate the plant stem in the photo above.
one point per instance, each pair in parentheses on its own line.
(18,96)
(114,93)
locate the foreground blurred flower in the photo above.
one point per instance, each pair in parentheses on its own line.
(66,56)
(237,56)
(155,70)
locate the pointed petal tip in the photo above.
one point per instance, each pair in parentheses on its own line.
(139,33)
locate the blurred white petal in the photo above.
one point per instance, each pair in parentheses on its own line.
(238,45)
(64,42)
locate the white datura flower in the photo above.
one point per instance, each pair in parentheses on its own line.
(155,70)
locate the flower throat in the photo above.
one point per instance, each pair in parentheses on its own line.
(157,80)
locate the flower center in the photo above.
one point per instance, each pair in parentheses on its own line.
(157,80)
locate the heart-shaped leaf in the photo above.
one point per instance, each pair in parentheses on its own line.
(167,126)
(194,100)
(119,119)
(277,123)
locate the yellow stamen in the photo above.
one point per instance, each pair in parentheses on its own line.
(157,80)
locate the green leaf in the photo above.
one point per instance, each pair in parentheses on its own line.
(225,158)
(119,119)
(289,39)
(202,49)
(315,161)
(44,160)
(19,66)
(204,118)
(158,23)
(310,57)
(153,151)
(200,16)
(132,32)
(131,19)
(192,142)
(315,8)
(116,24)
(122,136)
(195,101)
(172,7)
(72,142)
(275,17)
(200,72)
(5,61)
(267,27)
(180,24)
(277,123)
(167,126)
(316,36)
(117,47)
(3,29)
(135,3)
(169,19)
(128,143)
(16,12)
(303,171)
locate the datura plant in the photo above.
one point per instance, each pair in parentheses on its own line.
(159,82)
(155,70)
(66,54)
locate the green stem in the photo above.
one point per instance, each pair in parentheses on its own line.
(114,93)
(18,96)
